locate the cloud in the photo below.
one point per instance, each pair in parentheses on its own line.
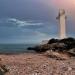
(68,5)
(12,30)
(29,24)
(22,23)
(13,22)
(33,20)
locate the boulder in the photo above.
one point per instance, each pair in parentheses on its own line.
(66,45)
(58,46)
(40,48)
(72,51)
(58,55)
(53,41)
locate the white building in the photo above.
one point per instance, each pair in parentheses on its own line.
(62,22)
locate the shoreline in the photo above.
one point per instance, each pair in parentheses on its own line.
(16,53)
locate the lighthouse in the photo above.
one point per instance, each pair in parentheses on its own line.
(62,23)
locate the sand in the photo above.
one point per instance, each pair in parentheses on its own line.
(37,64)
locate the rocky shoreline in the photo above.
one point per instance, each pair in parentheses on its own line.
(57,57)
(37,64)
(66,45)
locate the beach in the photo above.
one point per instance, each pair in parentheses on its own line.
(36,64)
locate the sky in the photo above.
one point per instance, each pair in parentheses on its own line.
(31,21)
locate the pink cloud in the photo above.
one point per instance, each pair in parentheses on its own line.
(66,4)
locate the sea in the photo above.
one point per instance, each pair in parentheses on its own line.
(16,48)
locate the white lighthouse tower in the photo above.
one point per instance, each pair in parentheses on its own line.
(62,21)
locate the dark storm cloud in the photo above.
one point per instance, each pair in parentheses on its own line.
(25,9)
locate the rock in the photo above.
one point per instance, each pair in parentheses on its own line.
(53,41)
(41,48)
(64,46)
(58,46)
(57,55)
(72,51)
(45,47)
(69,68)
(34,74)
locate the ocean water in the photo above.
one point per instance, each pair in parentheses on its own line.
(15,48)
